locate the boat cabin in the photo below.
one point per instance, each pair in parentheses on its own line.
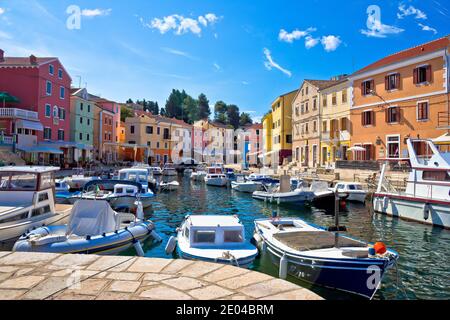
(349,186)
(125,190)
(26,192)
(213,231)
(136,175)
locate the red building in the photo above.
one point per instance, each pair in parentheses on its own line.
(42,86)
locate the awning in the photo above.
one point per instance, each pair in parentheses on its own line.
(32,125)
(444,139)
(41,149)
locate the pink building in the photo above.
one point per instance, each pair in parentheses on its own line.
(42,86)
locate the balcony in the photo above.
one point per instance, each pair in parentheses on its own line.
(6,140)
(344,135)
(444,120)
(15,113)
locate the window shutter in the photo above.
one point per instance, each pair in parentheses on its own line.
(428,73)
(372,85)
(372,115)
(386,83)
(416,75)
(362,88)
(386,115)
(362,119)
(397,80)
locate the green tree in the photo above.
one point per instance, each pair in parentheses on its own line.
(220,110)
(129,101)
(191,110)
(125,113)
(245,119)
(203,106)
(233,117)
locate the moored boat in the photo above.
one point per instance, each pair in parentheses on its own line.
(324,258)
(355,191)
(169,186)
(169,170)
(246,186)
(216,177)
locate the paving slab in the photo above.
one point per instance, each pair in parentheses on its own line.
(124,286)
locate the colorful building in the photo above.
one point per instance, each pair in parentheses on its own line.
(267,122)
(336,125)
(42,86)
(282,126)
(403,95)
(253,148)
(82,123)
(213,142)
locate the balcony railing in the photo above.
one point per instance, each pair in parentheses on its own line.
(18,113)
(6,140)
(444,120)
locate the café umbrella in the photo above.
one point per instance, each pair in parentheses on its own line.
(6,97)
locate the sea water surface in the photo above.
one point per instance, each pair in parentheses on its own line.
(423,267)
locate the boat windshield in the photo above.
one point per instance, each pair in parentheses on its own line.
(233,236)
(204,236)
(18,181)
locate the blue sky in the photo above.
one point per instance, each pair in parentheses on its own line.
(242,52)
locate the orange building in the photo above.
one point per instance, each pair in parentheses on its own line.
(402,95)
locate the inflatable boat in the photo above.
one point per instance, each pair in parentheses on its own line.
(93,228)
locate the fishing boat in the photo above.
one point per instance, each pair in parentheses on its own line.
(214,238)
(141,176)
(355,191)
(169,186)
(324,258)
(426,198)
(216,177)
(27,200)
(169,170)
(93,228)
(242,185)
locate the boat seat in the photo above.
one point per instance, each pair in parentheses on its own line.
(123,219)
(314,240)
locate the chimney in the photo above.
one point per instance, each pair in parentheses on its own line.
(33,60)
(2,55)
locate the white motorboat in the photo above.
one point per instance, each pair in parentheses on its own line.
(213,238)
(78,180)
(27,200)
(169,170)
(355,190)
(157,171)
(246,186)
(323,195)
(274,196)
(62,191)
(93,228)
(138,175)
(150,178)
(322,257)
(216,177)
(198,175)
(426,198)
(169,186)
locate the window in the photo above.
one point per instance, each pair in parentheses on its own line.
(204,236)
(43,197)
(89,108)
(368,118)
(62,92)
(422,111)
(367,87)
(89,122)
(131,142)
(307,89)
(166,134)
(48,110)
(47,180)
(288,138)
(334,99)
(344,124)
(23,181)
(233,236)
(60,73)
(48,88)
(149,144)
(132,129)
(61,135)
(324,126)
(81,136)
(51,69)
(40,211)
(314,126)
(392,114)
(157,145)
(344,96)
(392,81)
(88,137)
(62,114)
(435,176)
(81,120)
(422,74)
(314,104)
(158,130)
(81,106)
(47,133)
(324,101)
(393,146)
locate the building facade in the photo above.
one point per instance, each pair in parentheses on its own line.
(400,96)
(82,124)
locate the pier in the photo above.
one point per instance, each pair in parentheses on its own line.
(47,276)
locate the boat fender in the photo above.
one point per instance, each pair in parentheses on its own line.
(282,274)
(171,244)
(138,247)
(426,211)
(156,236)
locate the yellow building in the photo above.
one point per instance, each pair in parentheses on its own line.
(282,126)
(335,126)
(267,122)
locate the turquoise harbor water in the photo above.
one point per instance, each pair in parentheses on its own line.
(423,267)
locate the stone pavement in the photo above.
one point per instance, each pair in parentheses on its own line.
(40,276)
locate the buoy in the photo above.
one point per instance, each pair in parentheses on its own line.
(283,267)
(155,236)
(138,248)
(426,211)
(171,244)
(380,248)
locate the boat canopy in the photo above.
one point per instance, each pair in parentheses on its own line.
(91,218)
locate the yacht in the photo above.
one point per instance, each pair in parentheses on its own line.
(214,238)
(27,200)
(427,195)
(216,177)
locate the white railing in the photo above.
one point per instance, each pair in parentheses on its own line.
(7,140)
(18,113)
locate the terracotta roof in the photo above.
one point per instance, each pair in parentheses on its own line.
(160,118)
(419,50)
(254,126)
(322,84)
(24,61)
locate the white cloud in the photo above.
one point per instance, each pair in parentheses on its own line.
(410,11)
(95,12)
(180,24)
(178,52)
(311,42)
(217,67)
(270,63)
(245,83)
(294,35)
(330,43)
(5,35)
(2,11)
(375,28)
(427,28)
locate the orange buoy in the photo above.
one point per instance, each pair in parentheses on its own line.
(380,248)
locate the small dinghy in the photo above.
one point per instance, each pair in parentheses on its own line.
(246,186)
(273,195)
(325,258)
(62,192)
(355,190)
(93,228)
(169,186)
(219,239)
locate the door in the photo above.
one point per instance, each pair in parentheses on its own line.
(314,159)
(324,156)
